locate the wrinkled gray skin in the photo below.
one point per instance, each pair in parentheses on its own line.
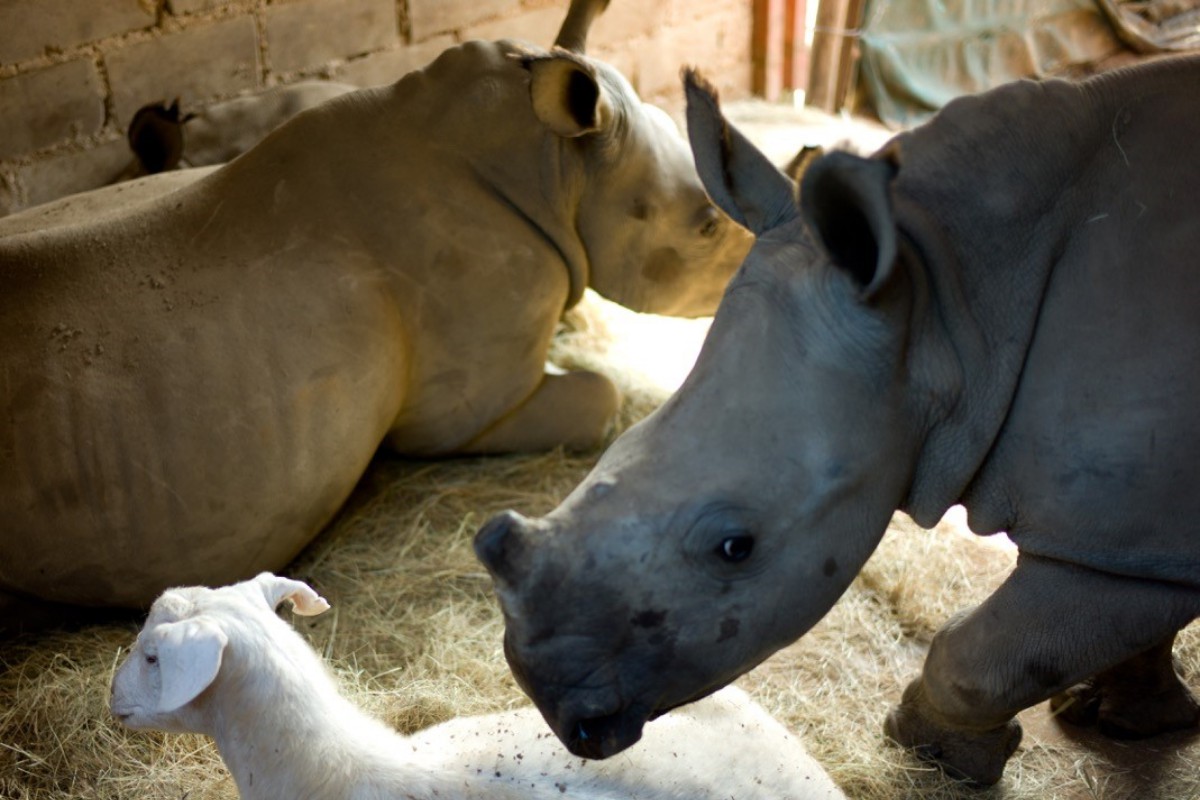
(1002,309)
(192,383)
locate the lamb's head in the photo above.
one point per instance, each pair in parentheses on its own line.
(191,642)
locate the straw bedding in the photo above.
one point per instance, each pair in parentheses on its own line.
(415,636)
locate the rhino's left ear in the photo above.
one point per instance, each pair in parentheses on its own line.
(735,173)
(567,95)
(845,200)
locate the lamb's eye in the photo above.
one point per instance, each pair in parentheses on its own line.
(735,548)
(710,227)
(151,659)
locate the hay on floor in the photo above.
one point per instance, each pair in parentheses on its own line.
(415,636)
(414,633)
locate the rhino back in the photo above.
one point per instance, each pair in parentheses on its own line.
(174,410)
(1098,459)
(197,382)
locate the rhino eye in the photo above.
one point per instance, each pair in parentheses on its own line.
(735,548)
(151,659)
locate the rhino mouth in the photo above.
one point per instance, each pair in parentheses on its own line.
(604,736)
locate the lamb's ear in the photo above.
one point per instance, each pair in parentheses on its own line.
(305,601)
(567,96)
(736,175)
(189,658)
(845,199)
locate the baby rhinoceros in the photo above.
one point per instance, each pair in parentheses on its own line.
(193,382)
(1000,309)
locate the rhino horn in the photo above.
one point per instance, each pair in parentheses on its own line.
(500,543)
(573,34)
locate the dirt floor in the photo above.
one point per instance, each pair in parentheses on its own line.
(415,634)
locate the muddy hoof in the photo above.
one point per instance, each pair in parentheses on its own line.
(1125,713)
(977,757)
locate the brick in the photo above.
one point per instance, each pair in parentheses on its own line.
(539,27)
(309,33)
(710,43)
(179,7)
(428,17)
(379,69)
(50,105)
(195,64)
(64,24)
(684,10)
(51,178)
(625,20)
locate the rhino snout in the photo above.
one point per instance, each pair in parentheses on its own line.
(501,543)
(602,736)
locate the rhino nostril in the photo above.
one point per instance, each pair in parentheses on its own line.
(601,737)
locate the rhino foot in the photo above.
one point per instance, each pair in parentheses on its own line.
(575,410)
(1122,711)
(1137,698)
(975,756)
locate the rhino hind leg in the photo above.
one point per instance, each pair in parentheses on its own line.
(1050,626)
(1140,697)
(574,410)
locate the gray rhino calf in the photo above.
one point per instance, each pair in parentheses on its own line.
(191,384)
(1000,309)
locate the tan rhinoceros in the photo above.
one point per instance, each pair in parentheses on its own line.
(191,384)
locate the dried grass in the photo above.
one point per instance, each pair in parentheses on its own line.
(415,636)
(414,633)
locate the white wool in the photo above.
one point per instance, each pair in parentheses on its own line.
(220,662)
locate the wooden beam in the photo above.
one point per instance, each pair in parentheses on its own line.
(834,53)
(795,51)
(767,48)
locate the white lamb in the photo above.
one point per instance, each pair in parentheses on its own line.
(220,662)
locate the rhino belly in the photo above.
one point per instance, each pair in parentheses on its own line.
(124,476)
(1098,462)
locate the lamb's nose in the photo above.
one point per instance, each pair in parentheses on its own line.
(499,542)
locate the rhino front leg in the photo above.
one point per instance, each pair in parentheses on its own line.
(1048,627)
(1137,698)
(573,409)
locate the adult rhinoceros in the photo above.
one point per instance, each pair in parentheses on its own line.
(1002,309)
(191,384)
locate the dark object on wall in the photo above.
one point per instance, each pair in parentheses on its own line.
(156,136)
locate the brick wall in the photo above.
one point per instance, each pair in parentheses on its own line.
(72,72)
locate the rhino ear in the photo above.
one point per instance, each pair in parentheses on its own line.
(567,96)
(845,200)
(736,175)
